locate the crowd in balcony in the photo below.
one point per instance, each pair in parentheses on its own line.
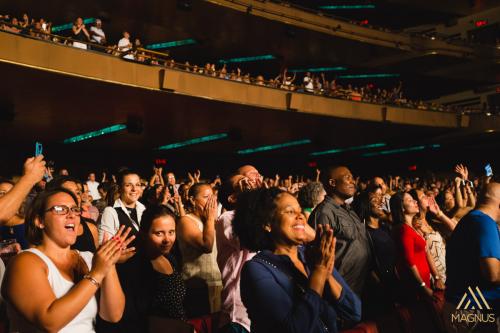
(246,253)
(94,38)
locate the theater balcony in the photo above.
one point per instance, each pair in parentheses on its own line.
(52,91)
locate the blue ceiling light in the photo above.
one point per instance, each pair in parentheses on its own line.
(166,45)
(247,59)
(194,141)
(273,147)
(94,134)
(68,26)
(341,150)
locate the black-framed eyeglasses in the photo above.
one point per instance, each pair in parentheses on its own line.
(64,210)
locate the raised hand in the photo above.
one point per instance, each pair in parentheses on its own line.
(34,169)
(433,206)
(462,171)
(197,175)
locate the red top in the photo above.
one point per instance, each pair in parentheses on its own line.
(413,253)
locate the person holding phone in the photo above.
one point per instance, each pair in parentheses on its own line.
(33,172)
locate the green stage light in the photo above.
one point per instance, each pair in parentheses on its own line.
(401,150)
(333,7)
(318,69)
(367,76)
(68,26)
(273,147)
(166,45)
(194,141)
(341,150)
(247,59)
(90,135)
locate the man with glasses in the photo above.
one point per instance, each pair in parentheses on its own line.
(353,254)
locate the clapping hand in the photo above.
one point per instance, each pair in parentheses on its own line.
(125,240)
(323,248)
(110,252)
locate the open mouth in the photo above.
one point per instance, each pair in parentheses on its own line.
(70,226)
(298,227)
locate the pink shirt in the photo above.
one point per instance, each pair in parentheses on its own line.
(230,259)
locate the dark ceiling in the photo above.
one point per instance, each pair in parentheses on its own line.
(401,14)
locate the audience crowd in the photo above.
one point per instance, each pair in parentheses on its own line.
(130,252)
(94,38)
(149,253)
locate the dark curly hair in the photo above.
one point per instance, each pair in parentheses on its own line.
(254,210)
(361,203)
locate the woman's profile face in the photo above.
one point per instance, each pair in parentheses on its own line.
(423,200)
(410,205)
(289,221)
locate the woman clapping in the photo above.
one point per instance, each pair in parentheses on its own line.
(51,287)
(280,289)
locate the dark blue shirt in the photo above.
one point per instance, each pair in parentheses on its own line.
(278,299)
(475,236)
(15,232)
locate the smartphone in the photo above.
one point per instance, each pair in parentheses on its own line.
(171,189)
(38,149)
(489,170)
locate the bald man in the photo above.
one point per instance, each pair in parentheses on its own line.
(230,257)
(473,258)
(353,257)
(253,175)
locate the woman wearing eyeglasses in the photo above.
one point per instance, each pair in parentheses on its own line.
(51,287)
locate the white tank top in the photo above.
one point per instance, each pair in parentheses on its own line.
(82,323)
(198,264)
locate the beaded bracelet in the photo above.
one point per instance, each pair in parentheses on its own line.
(92,280)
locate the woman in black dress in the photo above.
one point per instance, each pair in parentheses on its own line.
(151,280)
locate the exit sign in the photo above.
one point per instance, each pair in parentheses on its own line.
(481,23)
